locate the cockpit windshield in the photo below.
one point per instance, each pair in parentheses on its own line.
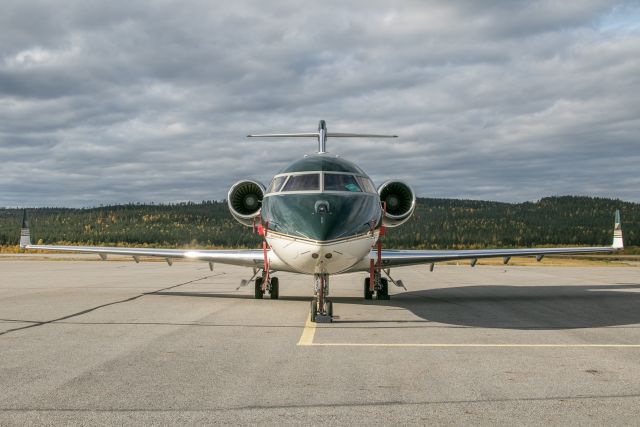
(311,182)
(306,182)
(341,182)
(366,184)
(276,184)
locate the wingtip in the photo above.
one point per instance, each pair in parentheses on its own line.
(25,235)
(618,241)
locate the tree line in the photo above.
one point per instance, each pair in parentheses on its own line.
(436,224)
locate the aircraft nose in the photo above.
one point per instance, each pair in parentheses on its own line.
(321,217)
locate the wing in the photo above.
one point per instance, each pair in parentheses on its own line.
(244,258)
(400,258)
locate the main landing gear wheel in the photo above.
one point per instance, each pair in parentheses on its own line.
(314,309)
(367,293)
(258,288)
(274,288)
(383,292)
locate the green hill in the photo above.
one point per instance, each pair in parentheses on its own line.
(437,223)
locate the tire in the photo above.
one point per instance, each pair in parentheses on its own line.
(383,294)
(314,309)
(329,307)
(367,293)
(258,288)
(275,288)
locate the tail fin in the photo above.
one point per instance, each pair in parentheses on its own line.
(617,233)
(25,235)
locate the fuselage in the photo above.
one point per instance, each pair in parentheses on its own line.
(321,214)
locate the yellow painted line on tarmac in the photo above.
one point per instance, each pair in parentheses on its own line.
(308,333)
(444,345)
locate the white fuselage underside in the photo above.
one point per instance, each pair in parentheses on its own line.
(310,257)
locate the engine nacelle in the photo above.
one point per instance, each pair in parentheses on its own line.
(400,201)
(245,201)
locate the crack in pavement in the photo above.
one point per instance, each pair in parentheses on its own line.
(19,321)
(329,405)
(36,324)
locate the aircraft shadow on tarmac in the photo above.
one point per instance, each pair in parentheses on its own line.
(506,307)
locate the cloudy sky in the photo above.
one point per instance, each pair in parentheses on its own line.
(108,102)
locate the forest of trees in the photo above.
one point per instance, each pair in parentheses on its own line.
(436,224)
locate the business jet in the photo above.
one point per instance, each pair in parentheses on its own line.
(322,215)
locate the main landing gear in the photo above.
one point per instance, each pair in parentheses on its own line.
(375,283)
(380,288)
(321,307)
(266,282)
(273,287)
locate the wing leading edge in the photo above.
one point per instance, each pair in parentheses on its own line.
(401,258)
(244,258)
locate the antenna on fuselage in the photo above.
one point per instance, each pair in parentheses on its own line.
(322,135)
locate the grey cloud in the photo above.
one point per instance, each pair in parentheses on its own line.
(118,102)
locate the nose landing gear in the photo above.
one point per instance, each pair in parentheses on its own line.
(321,308)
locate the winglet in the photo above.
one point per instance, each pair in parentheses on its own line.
(617,233)
(25,236)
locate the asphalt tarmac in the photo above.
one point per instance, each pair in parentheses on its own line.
(102,343)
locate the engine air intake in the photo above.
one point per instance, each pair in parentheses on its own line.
(245,201)
(399,200)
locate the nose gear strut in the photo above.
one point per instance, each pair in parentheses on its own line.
(321,308)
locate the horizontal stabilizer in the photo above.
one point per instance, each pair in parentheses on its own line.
(359,135)
(284,135)
(322,135)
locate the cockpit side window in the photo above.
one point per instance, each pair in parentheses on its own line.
(276,184)
(306,182)
(366,184)
(341,182)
